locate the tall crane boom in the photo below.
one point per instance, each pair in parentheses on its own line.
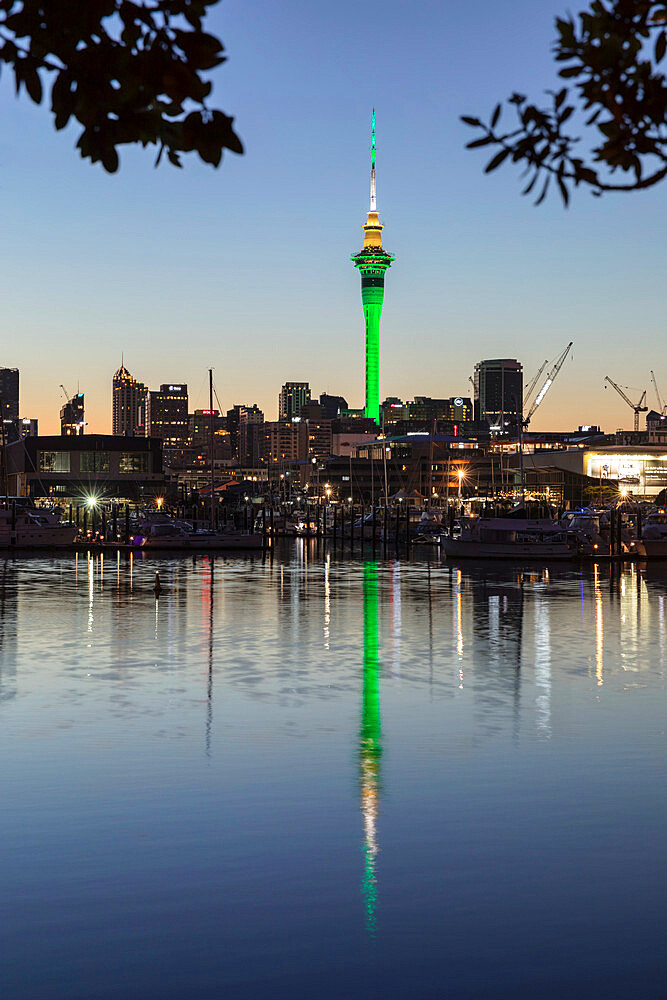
(637,407)
(659,397)
(558,364)
(533,382)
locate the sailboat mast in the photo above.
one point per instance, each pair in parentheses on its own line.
(212,446)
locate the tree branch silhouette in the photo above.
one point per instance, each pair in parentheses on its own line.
(128,72)
(612,50)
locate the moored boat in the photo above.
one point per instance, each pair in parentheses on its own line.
(653,542)
(175,536)
(509,538)
(28,529)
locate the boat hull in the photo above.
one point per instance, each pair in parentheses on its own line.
(203,543)
(652,548)
(38,536)
(465,549)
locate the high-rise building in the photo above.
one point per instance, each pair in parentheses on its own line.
(72,416)
(332,406)
(199,428)
(28,427)
(372,261)
(167,415)
(499,393)
(455,408)
(128,405)
(9,393)
(293,396)
(317,436)
(251,422)
(281,441)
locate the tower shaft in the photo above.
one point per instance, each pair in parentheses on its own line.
(372,296)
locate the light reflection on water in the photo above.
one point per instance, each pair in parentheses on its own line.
(301,758)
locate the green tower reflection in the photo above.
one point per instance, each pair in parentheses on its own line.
(370,745)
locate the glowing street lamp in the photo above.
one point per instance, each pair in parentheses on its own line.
(460,475)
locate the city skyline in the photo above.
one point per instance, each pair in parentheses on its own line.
(163,265)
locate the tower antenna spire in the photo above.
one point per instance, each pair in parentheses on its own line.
(373,207)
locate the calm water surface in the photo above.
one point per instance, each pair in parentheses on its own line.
(313,777)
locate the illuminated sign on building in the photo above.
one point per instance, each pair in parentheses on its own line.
(646,474)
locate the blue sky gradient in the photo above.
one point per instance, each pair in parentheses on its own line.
(246,268)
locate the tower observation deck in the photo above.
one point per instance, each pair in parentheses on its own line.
(372,261)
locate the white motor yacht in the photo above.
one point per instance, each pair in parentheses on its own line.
(509,538)
(28,529)
(175,536)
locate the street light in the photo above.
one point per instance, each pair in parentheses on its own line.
(460,475)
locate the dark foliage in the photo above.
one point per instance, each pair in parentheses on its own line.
(127,72)
(612,51)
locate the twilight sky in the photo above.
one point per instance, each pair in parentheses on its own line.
(246,268)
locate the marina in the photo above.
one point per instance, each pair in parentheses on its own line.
(480,531)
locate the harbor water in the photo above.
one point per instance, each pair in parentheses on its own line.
(295,774)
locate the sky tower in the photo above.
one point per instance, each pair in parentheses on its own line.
(372,260)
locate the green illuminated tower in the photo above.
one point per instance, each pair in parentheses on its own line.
(372,260)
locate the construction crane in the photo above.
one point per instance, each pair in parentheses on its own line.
(639,407)
(67,395)
(558,364)
(531,387)
(663,409)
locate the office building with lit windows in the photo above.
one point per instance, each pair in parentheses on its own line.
(128,404)
(499,393)
(293,396)
(167,415)
(72,421)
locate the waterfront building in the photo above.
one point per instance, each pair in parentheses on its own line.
(100,466)
(372,261)
(499,393)
(639,471)
(167,415)
(128,404)
(72,419)
(293,396)
(419,462)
